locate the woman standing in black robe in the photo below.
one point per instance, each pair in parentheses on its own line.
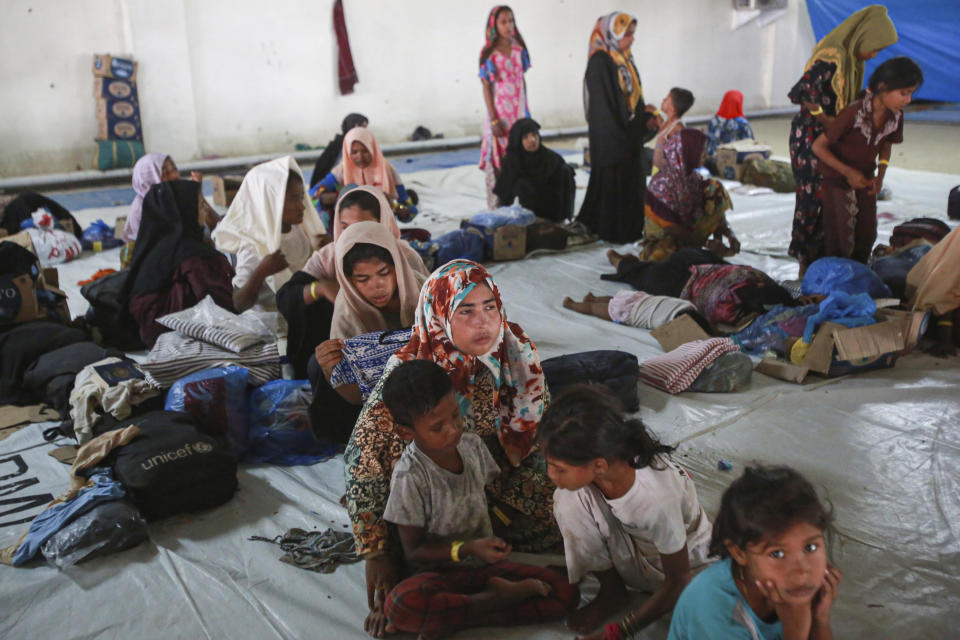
(619,126)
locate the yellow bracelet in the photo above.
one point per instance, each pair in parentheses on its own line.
(313,290)
(455,550)
(501,516)
(944,323)
(885,162)
(817,111)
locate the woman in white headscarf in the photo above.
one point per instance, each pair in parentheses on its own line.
(272,228)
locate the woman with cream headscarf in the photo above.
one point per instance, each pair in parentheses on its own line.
(619,126)
(378,292)
(272,229)
(832,79)
(306,301)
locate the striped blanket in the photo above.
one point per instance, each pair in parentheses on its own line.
(675,371)
(175,356)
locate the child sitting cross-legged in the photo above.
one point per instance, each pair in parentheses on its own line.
(461,575)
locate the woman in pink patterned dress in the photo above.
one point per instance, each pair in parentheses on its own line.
(503,61)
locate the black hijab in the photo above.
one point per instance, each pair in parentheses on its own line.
(538,166)
(170,233)
(328,159)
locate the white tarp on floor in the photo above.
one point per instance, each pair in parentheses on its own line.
(883,446)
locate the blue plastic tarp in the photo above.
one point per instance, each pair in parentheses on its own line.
(929,33)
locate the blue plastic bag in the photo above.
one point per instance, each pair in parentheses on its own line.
(217,399)
(770,331)
(850,311)
(461,243)
(100,232)
(514,214)
(280,430)
(828,275)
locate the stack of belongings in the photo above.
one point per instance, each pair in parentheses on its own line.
(37,348)
(19,216)
(119,130)
(148,467)
(207,336)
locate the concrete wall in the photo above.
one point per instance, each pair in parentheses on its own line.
(238,77)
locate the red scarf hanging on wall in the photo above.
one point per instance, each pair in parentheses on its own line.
(345,68)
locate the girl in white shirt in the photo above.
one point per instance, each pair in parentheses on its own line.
(627,512)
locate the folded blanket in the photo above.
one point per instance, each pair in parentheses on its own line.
(175,356)
(675,371)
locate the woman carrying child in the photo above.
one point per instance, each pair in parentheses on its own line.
(619,126)
(773,580)
(461,325)
(363,163)
(538,176)
(378,292)
(460,573)
(272,229)
(628,513)
(848,151)
(728,125)
(681,207)
(832,79)
(306,300)
(503,61)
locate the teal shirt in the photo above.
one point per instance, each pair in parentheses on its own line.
(712,607)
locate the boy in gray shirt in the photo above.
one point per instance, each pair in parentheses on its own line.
(437,501)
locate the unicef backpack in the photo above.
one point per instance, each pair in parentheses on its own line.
(171,467)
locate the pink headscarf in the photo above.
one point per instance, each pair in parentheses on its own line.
(377,174)
(147,172)
(352,314)
(322,264)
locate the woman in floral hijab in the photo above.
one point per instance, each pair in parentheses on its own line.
(461,325)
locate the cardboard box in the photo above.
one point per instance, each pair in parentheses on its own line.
(107,66)
(508,242)
(225,189)
(116,89)
(732,156)
(839,351)
(23,239)
(835,351)
(679,331)
(19,299)
(113,128)
(122,108)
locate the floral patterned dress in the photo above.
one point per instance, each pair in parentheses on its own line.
(807,242)
(505,75)
(724,130)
